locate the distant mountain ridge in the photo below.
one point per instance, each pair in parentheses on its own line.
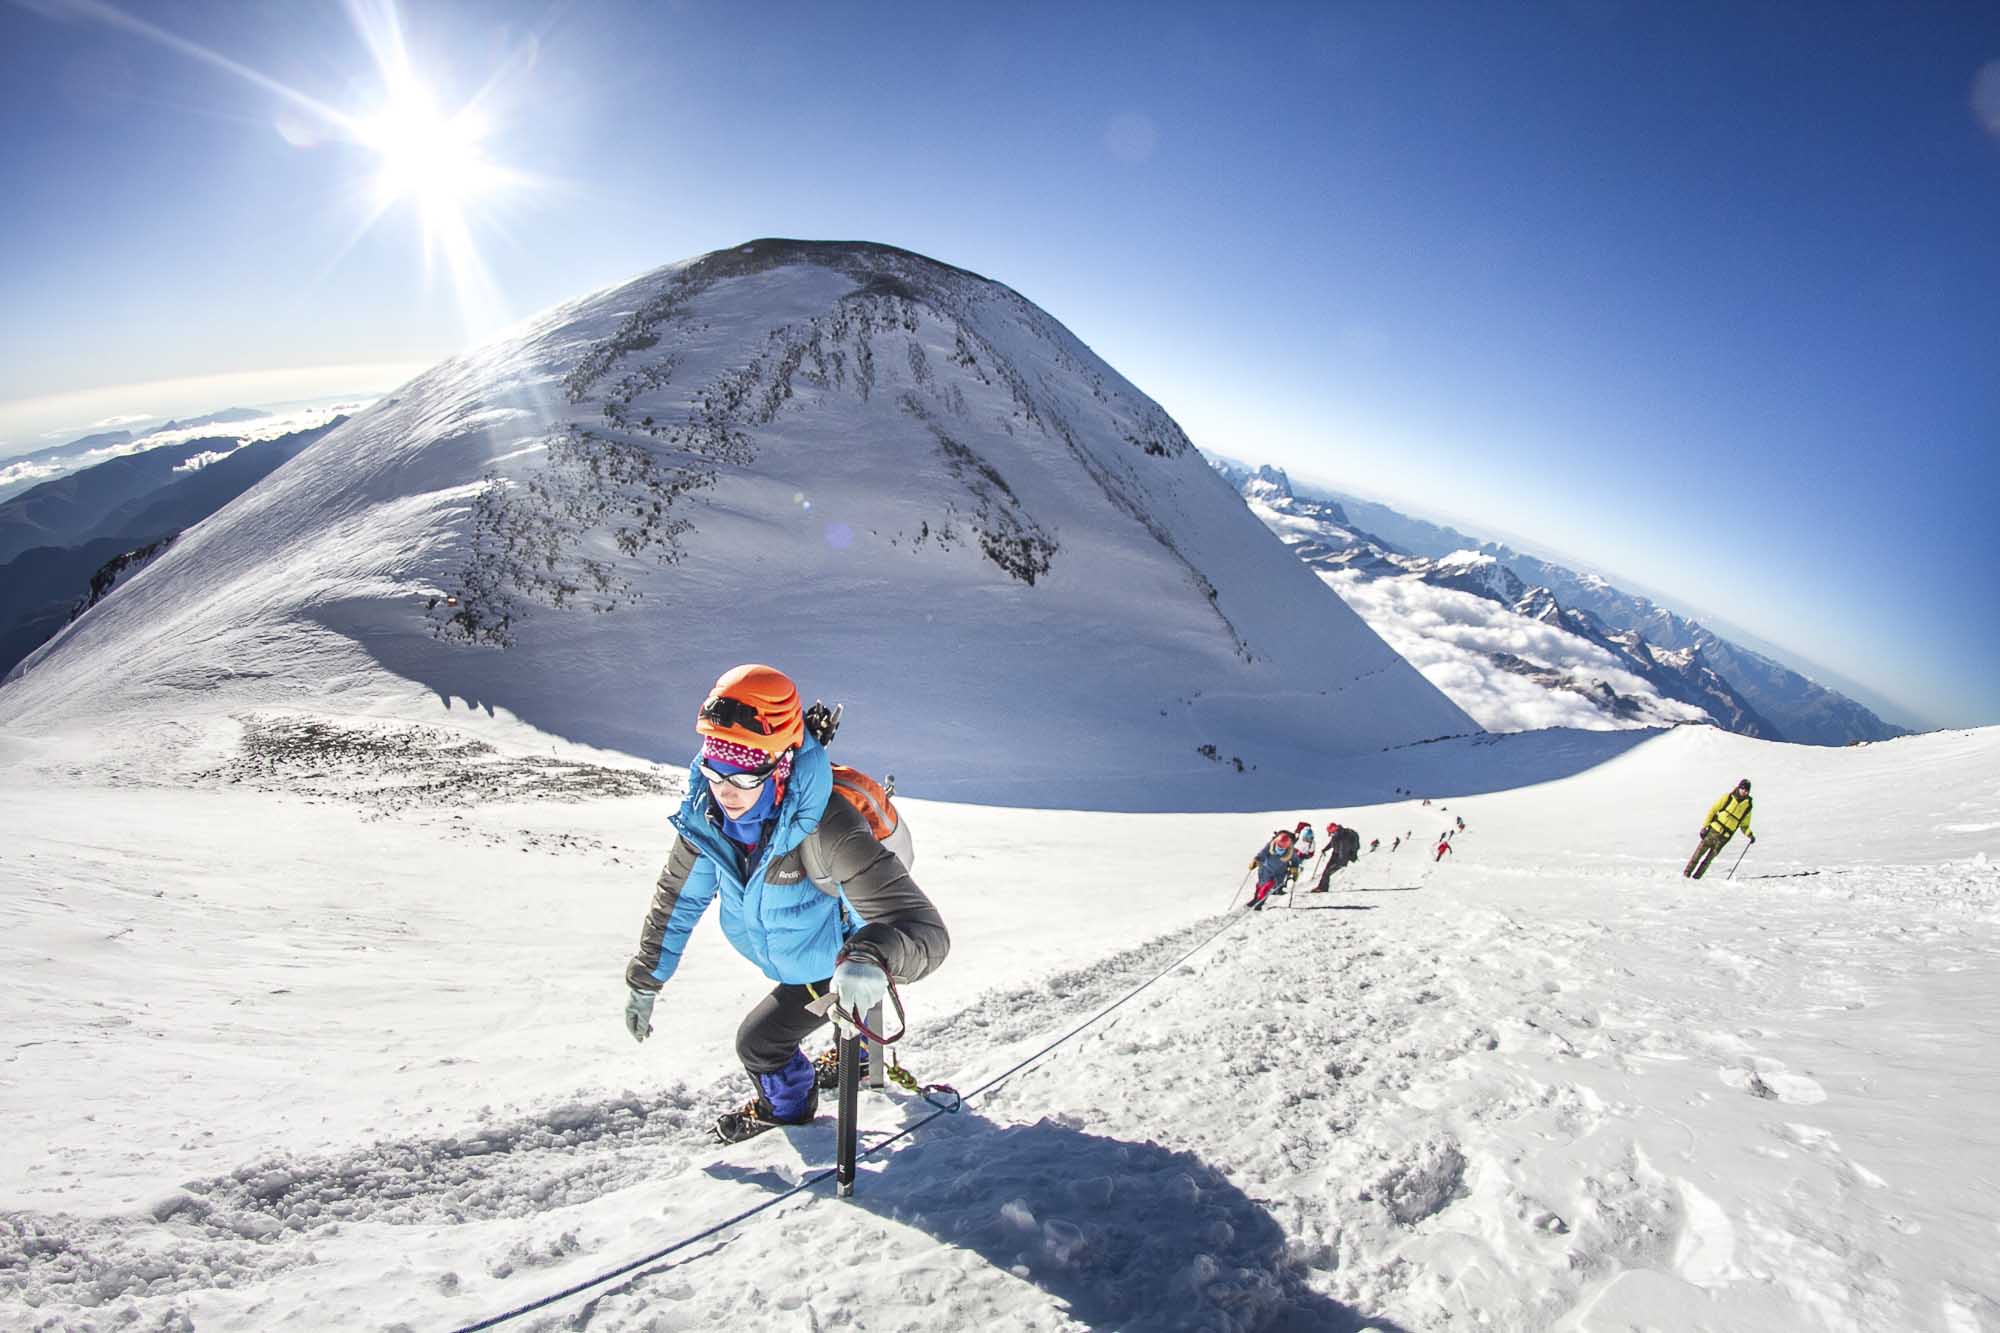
(1743,691)
(88,531)
(20,472)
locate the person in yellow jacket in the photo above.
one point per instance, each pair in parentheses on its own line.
(1725,817)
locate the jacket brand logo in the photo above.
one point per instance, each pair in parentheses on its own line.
(785,876)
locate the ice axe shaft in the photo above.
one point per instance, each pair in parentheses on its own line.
(847,1128)
(1739,861)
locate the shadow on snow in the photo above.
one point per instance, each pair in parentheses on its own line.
(1124,1235)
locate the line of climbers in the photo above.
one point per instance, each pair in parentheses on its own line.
(1288,851)
(810,863)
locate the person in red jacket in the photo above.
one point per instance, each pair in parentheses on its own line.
(1444,845)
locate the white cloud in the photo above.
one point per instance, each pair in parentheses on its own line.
(1446,635)
(53,416)
(243,432)
(202,460)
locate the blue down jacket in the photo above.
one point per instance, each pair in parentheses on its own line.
(1273,864)
(776,917)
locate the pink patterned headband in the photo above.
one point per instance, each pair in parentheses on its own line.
(742,756)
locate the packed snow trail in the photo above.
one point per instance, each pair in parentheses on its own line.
(1547,1083)
(1381,1066)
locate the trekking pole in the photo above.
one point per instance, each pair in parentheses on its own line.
(1739,861)
(1237,892)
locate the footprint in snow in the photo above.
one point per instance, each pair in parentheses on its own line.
(1770,1081)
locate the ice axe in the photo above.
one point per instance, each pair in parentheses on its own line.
(1739,861)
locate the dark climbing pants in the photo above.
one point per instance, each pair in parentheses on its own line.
(771,1032)
(1712,841)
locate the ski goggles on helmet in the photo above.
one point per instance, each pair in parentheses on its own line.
(747,781)
(724,711)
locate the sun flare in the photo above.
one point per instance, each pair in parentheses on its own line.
(432,158)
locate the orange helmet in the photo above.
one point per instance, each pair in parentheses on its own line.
(753,705)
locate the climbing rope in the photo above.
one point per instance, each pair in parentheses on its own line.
(811,1182)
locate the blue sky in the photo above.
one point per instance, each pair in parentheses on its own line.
(1705,293)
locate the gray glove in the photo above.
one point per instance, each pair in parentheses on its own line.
(639,1013)
(859,985)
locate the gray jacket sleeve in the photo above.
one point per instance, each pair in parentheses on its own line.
(669,920)
(904,935)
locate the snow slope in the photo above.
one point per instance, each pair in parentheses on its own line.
(327,1035)
(901,481)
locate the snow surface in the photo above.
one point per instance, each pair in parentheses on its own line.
(313,1021)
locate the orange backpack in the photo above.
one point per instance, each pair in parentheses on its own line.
(870,798)
(875,802)
(876,805)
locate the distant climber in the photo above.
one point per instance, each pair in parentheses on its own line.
(1343,847)
(1725,817)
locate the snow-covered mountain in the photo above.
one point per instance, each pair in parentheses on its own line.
(1683,674)
(903,482)
(1741,690)
(1507,653)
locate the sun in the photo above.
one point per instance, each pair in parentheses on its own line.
(435,162)
(426,156)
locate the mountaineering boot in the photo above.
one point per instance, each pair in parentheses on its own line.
(755,1116)
(786,1096)
(826,1069)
